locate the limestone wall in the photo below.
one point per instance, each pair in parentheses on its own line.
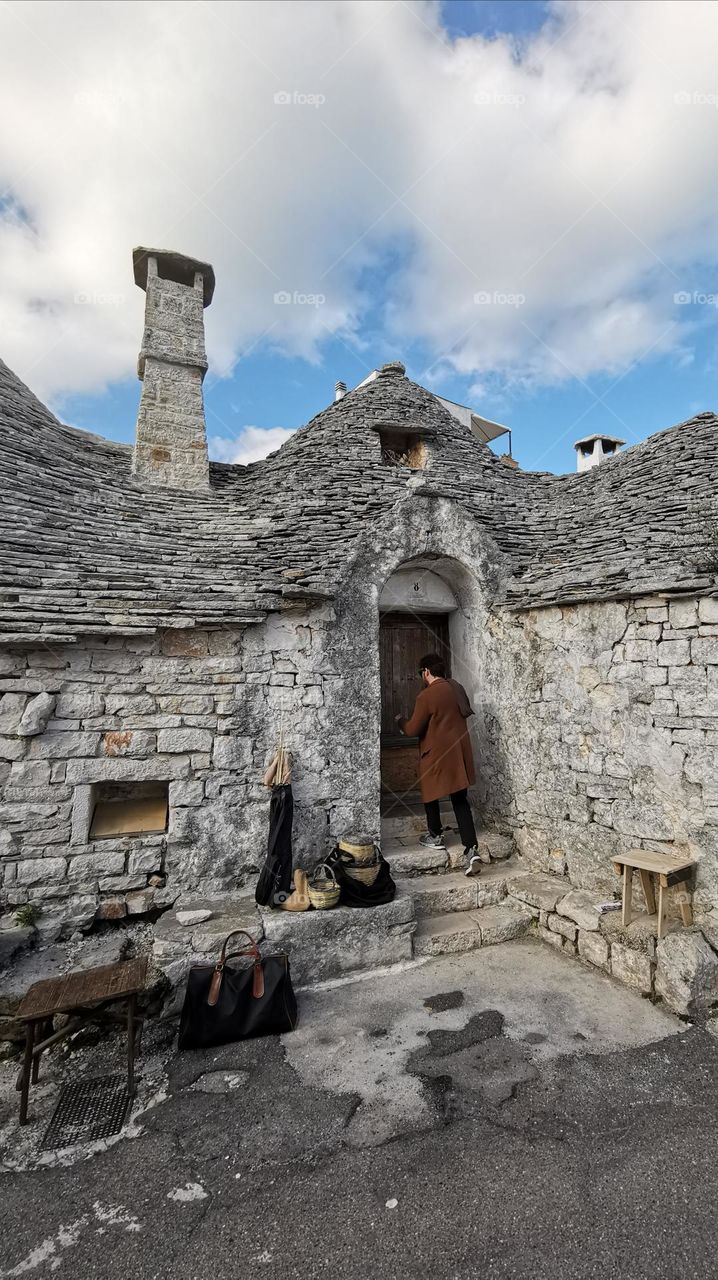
(201,710)
(607,722)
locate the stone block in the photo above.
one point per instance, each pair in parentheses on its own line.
(12,706)
(633,968)
(708,610)
(139,903)
(148,860)
(683,613)
(79,705)
(11,748)
(30,773)
(537,890)
(40,870)
(547,935)
(63,746)
(112,908)
(102,862)
(501,924)
(122,883)
(177,741)
(36,715)
(581,906)
(327,944)
(14,938)
(118,769)
(704,650)
(189,792)
(560,924)
(687,973)
(674,653)
(593,948)
(226,915)
(129,742)
(494,847)
(233,753)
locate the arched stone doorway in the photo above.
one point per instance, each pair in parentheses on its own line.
(416,607)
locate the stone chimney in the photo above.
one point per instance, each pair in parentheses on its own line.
(591,450)
(171,440)
(340,391)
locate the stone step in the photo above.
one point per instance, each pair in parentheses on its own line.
(342,941)
(455,932)
(453,891)
(409,858)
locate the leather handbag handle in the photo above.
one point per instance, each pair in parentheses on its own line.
(238,933)
(252,950)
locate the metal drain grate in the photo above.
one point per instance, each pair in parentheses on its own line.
(88,1110)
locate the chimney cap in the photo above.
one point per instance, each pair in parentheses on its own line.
(598,435)
(172,266)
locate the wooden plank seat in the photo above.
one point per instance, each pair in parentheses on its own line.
(669,869)
(81,995)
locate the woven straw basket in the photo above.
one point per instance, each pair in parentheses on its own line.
(367,874)
(324,891)
(362,848)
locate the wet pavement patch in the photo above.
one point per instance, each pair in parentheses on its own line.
(476,1060)
(446,1000)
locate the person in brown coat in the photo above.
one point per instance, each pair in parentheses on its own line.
(446,761)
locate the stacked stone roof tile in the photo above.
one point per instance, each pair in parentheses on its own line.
(86,547)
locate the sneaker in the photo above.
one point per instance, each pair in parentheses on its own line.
(474,867)
(432,842)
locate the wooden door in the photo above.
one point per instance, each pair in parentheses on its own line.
(404,639)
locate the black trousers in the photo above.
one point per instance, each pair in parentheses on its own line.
(464,820)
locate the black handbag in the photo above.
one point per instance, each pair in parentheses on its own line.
(223,1004)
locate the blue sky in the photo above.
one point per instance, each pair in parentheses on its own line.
(596,193)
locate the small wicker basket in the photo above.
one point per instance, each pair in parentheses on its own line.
(324,892)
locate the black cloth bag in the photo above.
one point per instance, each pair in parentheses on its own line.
(353,892)
(224,1004)
(276,874)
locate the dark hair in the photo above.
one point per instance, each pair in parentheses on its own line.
(433,663)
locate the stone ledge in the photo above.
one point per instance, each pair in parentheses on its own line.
(328,944)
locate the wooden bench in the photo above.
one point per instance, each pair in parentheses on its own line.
(82,996)
(670,870)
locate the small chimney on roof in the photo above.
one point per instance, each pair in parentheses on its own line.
(171,439)
(592,450)
(340,391)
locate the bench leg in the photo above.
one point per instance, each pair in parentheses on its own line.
(27,1071)
(685,904)
(649,895)
(661,910)
(627,891)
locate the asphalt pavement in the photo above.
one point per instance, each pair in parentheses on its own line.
(503,1114)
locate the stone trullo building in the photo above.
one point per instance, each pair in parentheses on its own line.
(164,618)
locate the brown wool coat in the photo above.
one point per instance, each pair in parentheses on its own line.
(446,761)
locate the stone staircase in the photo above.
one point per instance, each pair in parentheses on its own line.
(454,912)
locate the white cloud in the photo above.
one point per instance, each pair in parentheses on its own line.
(576,177)
(249,445)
